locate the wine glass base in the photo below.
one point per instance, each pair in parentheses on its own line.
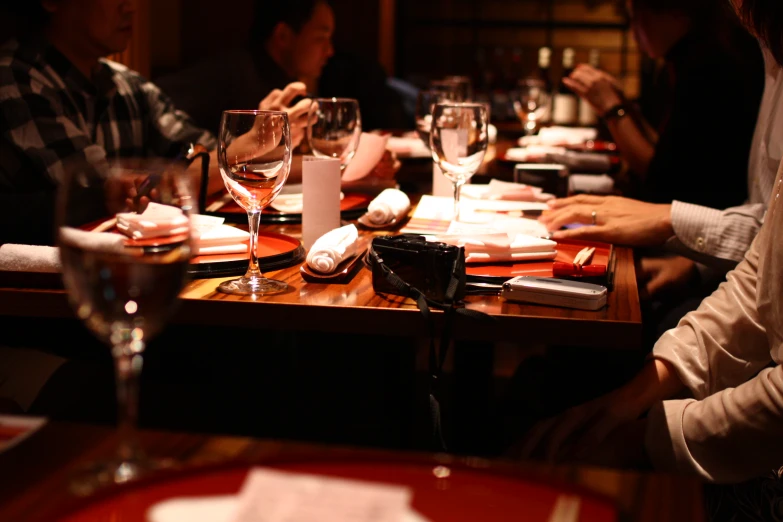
(253,286)
(102,474)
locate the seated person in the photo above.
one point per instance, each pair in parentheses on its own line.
(709,61)
(64,106)
(708,401)
(289,41)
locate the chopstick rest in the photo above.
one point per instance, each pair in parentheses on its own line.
(584,256)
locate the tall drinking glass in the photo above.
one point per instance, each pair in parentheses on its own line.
(530,101)
(254,156)
(458,140)
(334,128)
(124,283)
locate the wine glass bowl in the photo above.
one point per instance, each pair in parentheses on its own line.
(334,128)
(458,139)
(124,283)
(426,99)
(254,156)
(530,102)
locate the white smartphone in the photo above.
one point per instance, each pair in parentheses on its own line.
(555,292)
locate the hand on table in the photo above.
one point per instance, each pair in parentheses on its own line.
(618,220)
(598,88)
(279,100)
(663,275)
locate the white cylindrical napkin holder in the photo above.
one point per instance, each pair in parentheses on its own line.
(321,180)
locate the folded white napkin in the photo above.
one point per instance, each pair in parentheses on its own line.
(212,236)
(292,202)
(557,135)
(156,221)
(29,258)
(532,153)
(490,245)
(591,183)
(368,154)
(333,248)
(390,205)
(505,190)
(408,147)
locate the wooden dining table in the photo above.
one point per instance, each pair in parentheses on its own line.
(36,474)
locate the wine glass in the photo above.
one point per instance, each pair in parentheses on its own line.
(426,99)
(530,101)
(334,128)
(458,140)
(123,275)
(254,156)
(463,87)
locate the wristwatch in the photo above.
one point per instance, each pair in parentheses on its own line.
(615,112)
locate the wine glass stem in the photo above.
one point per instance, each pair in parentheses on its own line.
(254,221)
(128,361)
(457,191)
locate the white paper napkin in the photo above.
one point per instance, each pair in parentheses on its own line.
(505,190)
(211,236)
(489,245)
(333,248)
(156,221)
(368,154)
(390,205)
(29,258)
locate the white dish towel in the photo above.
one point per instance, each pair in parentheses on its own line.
(390,205)
(333,248)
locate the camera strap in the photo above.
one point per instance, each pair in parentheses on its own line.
(437,351)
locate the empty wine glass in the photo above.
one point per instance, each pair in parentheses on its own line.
(530,102)
(459,139)
(334,128)
(254,156)
(463,87)
(124,238)
(426,99)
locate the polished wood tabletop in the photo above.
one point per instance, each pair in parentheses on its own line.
(354,307)
(35,474)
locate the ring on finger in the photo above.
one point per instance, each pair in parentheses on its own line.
(594,215)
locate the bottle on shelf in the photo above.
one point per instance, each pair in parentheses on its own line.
(544,73)
(587,116)
(566,103)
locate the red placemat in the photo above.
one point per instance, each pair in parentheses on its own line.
(463,495)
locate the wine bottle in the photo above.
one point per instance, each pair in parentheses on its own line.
(566,104)
(587,116)
(544,74)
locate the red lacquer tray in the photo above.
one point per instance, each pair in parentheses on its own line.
(465,494)
(353,205)
(566,250)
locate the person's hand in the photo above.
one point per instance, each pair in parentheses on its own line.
(279,100)
(599,89)
(665,275)
(618,220)
(580,429)
(387,167)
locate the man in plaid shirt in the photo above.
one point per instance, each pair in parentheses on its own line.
(63,106)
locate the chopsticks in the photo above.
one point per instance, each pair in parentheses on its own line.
(584,256)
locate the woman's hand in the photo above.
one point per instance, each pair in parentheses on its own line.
(598,88)
(279,100)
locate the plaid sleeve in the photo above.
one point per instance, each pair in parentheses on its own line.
(172,128)
(33,123)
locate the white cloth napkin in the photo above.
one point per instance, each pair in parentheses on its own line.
(211,236)
(156,221)
(390,205)
(29,258)
(333,248)
(591,183)
(557,135)
(505,190)
(491,246)
(368,154)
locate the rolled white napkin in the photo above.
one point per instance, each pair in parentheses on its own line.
(501,247)
(156,221)
(333,248)
(390,205)
(29,258)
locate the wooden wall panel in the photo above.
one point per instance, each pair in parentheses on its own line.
(137,55)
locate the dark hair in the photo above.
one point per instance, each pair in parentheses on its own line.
(764,18)
(267,14)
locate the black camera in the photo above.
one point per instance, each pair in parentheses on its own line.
(425,265)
